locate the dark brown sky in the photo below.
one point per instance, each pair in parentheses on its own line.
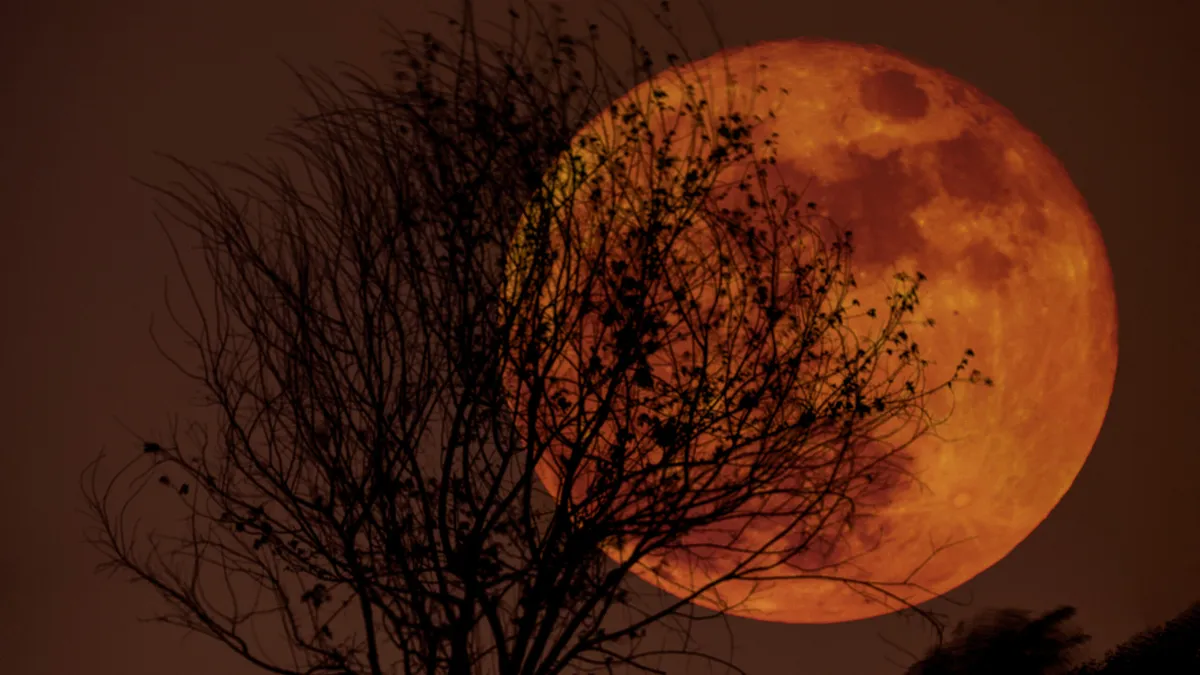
(92,89)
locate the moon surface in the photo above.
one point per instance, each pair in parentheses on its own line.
(932,175)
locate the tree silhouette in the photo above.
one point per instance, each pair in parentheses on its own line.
(1007,642)
(1172,648)
(470,372)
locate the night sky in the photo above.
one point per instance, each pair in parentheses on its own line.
(91,90)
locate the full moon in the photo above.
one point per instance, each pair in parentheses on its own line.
(932,175)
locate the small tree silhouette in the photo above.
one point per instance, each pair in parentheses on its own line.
(1007,642)
(1170,649)
(473,369)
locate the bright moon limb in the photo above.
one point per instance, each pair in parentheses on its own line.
(932,175)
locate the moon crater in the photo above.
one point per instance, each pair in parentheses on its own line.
(894,93)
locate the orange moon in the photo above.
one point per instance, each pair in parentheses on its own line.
(932,175)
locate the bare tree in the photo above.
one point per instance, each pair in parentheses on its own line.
(472,369)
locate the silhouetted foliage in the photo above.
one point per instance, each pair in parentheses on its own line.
(1009,641)
(1170,649)
(1006,642)
(446,298)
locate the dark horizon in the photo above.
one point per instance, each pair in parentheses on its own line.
(96,90)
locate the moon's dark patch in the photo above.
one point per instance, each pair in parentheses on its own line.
(1033,219)
(850,532)
(987,265)
(972,168)
(877,199)
(894,93)
(876,202)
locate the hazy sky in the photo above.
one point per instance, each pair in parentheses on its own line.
(92,89)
